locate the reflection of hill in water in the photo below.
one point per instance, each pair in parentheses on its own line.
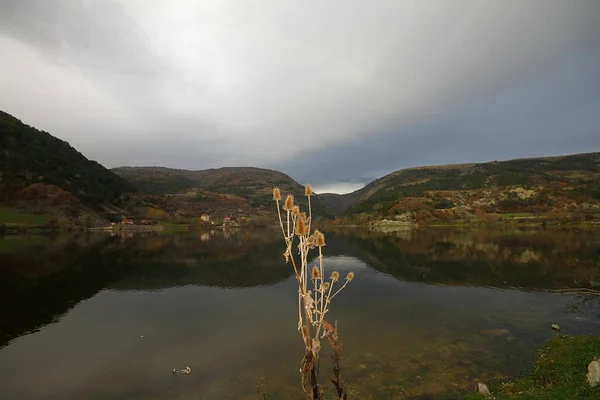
(529,260)
(41,282)
(243,260)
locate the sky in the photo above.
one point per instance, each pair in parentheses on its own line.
(333,93)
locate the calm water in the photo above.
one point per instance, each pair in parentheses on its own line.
(428,314)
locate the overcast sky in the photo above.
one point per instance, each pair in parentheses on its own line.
(330,92)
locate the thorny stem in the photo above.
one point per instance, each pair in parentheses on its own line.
(288,227)
(280,221)
(309,214)
(322,305)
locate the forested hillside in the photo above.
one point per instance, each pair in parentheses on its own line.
(30,157)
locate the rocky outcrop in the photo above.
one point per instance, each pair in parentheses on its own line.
(387,225)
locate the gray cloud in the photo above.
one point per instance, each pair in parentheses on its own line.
(325,91)
(556,113)
(96,35)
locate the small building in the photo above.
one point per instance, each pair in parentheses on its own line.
(205,218)
(126,222)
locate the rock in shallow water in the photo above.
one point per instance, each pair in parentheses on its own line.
(483,389)
(593,375)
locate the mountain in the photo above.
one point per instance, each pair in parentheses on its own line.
(545,184)
(341,203)
(38,170)
(253,185)
(30,156)
(42,175)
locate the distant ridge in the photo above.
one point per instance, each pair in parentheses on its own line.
(250,183)
(535,184)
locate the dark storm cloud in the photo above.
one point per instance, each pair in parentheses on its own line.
(556,113)
(335,91)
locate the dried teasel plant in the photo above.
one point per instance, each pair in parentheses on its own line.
(316,290)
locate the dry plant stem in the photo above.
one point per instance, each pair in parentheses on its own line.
(312,304)
(262,390)
(280,221)
(335,357)
(309,214)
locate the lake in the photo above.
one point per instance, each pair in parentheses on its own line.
(428,314)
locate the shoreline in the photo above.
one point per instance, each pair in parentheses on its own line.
(559,373)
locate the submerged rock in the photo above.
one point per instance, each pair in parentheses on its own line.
(483,389)
(593,375)
(555,327)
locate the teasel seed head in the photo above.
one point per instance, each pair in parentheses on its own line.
(326,285)
(315,273)
(289,203)
(335,276)
(308,190)
(295,210)
(301,226)
(319,239)
(350,276)
(305,231)
(276,194)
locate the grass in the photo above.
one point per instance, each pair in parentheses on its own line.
(575,175)
(174,226)
(559,373)
(11,216)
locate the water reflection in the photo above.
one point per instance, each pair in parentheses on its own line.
(50,275)
(225,259)
(43,277)
(420,318)
(533,259)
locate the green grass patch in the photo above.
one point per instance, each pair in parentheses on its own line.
(175,226)
(558,374)
(11,216)
(515,215)
(575,175)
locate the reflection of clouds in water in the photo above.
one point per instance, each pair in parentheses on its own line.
(342,263)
